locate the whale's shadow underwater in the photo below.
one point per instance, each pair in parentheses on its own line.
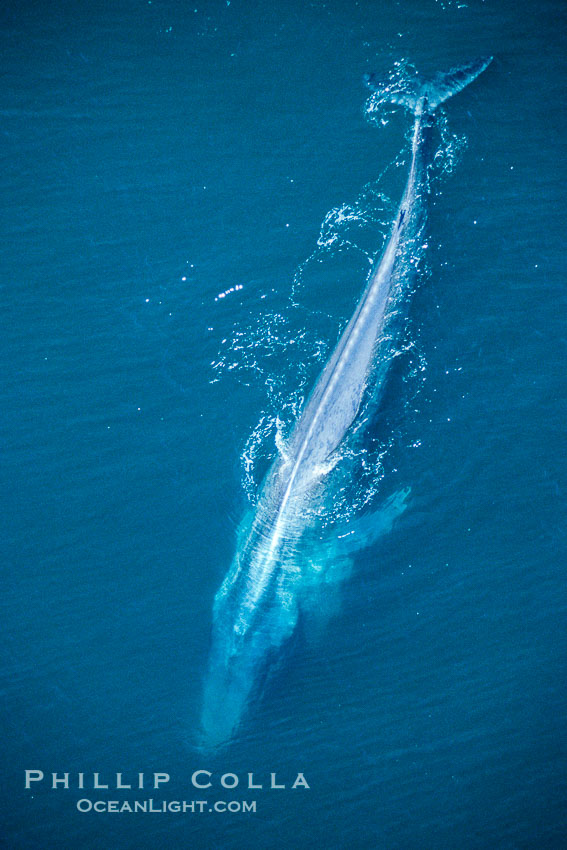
(280,567)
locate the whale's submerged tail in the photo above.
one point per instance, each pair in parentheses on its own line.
(435,91)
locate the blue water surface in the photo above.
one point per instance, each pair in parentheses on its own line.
(167,167)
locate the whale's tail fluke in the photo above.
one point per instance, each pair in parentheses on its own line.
(444,86)
(432,93)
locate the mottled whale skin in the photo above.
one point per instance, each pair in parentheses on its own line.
(256,607)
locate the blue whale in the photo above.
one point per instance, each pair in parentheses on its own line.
(256,608)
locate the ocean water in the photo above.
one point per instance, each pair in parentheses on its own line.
(191,196)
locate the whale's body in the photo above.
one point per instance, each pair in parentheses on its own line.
(256,607)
